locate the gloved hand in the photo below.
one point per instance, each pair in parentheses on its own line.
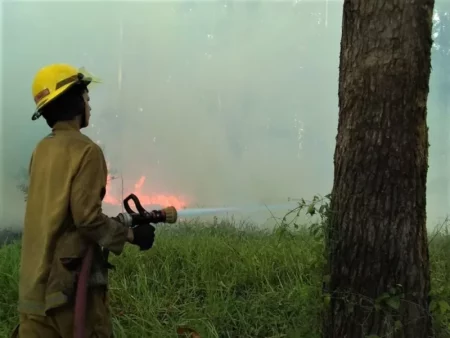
(144,236)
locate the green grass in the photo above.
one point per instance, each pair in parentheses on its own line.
(223,281)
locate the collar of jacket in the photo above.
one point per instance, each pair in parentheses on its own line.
(67,125)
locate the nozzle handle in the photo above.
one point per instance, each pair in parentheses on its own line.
(137,204)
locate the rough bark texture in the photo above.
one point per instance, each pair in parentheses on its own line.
(378,238)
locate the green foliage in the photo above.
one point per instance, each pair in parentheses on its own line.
(227,281)
(317,213)
(440,281)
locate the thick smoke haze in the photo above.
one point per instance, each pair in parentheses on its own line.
(224,103)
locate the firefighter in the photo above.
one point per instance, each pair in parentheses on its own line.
(67,182)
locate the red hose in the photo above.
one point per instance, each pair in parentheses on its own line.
(81,295)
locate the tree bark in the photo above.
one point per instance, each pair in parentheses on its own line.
(378,252)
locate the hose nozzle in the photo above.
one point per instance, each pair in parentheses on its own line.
(142,216)
(171,214)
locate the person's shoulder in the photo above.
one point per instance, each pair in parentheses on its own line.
(68,138)
(89,145)
(73,147)
(84,141)
(80,146)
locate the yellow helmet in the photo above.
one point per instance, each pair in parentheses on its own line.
(53,80)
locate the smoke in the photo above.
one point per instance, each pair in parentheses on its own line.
(223,102)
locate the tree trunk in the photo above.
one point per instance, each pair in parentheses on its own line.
(378,259)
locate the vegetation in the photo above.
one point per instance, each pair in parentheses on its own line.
(229,280)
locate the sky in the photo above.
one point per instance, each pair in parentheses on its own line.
(215,103)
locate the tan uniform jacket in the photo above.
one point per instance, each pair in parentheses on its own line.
(63,216)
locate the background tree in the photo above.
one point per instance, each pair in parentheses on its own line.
(380,278)
(441,65)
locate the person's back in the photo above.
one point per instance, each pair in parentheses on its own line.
(48,218)
(67,183)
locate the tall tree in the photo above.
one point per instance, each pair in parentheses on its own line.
(378,259)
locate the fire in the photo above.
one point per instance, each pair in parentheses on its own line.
(155,199)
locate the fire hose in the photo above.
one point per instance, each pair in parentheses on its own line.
(130,219)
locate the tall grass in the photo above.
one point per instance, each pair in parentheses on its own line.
(222,280)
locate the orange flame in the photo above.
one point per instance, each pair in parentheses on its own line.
(155,199)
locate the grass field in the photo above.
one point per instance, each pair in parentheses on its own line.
(224,281)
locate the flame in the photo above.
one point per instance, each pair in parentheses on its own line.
(154,199)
